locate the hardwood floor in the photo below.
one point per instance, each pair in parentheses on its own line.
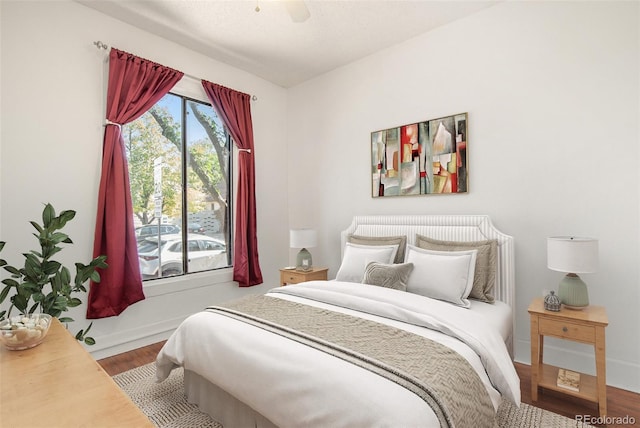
(620,403)
(130,360)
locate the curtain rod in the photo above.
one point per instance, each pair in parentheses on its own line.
(103,46)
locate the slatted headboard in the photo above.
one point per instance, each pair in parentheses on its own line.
(447,228)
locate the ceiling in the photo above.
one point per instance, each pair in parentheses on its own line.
(270,45)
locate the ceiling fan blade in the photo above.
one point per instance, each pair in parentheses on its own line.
(297,10)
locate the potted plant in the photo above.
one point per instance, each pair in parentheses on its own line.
(44,285)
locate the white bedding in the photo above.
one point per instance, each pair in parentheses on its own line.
(498,314)
(294,385)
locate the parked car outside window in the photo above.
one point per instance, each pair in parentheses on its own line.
(195,228)
(203,253)
(152,230)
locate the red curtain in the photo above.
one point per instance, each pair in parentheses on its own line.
(135,85)
(234,108)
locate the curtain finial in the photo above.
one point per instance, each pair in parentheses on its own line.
(101,45)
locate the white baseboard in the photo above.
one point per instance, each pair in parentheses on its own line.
(620,374)
(128,340)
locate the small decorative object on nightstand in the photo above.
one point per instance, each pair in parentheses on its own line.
(294,276)
(552,302)
(303,238)
(572,255)
(585,326)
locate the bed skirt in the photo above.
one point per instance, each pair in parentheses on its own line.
(220,405)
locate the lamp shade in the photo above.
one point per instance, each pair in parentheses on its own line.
(302,238)
(572,254)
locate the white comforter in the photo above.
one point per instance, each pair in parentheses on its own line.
(294,385)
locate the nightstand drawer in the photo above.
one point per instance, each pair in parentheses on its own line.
(567,330)
(288,276)
(292,278)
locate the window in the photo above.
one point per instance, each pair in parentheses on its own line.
(179,161)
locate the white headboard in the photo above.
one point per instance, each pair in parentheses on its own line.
(446,228)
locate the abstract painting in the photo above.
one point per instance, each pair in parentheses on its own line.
(423,158)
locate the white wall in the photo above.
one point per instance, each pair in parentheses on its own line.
(52,90)
(552,92)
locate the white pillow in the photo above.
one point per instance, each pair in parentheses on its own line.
(357,257)
(442,275)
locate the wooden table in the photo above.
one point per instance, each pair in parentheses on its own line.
(59,384)
(584,326)
(293,276)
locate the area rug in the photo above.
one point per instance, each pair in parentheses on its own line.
(165,404)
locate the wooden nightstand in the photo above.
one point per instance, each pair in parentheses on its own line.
(292,276)
(585,326)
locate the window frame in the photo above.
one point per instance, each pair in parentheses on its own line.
(191,89)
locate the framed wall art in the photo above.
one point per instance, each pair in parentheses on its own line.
(420,159)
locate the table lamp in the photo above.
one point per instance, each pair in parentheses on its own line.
(572,255)
(303,238)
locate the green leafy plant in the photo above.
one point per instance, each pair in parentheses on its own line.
(44,284)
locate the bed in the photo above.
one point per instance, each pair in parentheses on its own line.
(372,347)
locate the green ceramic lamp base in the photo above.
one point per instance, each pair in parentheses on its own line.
(303,260)
(572,292)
